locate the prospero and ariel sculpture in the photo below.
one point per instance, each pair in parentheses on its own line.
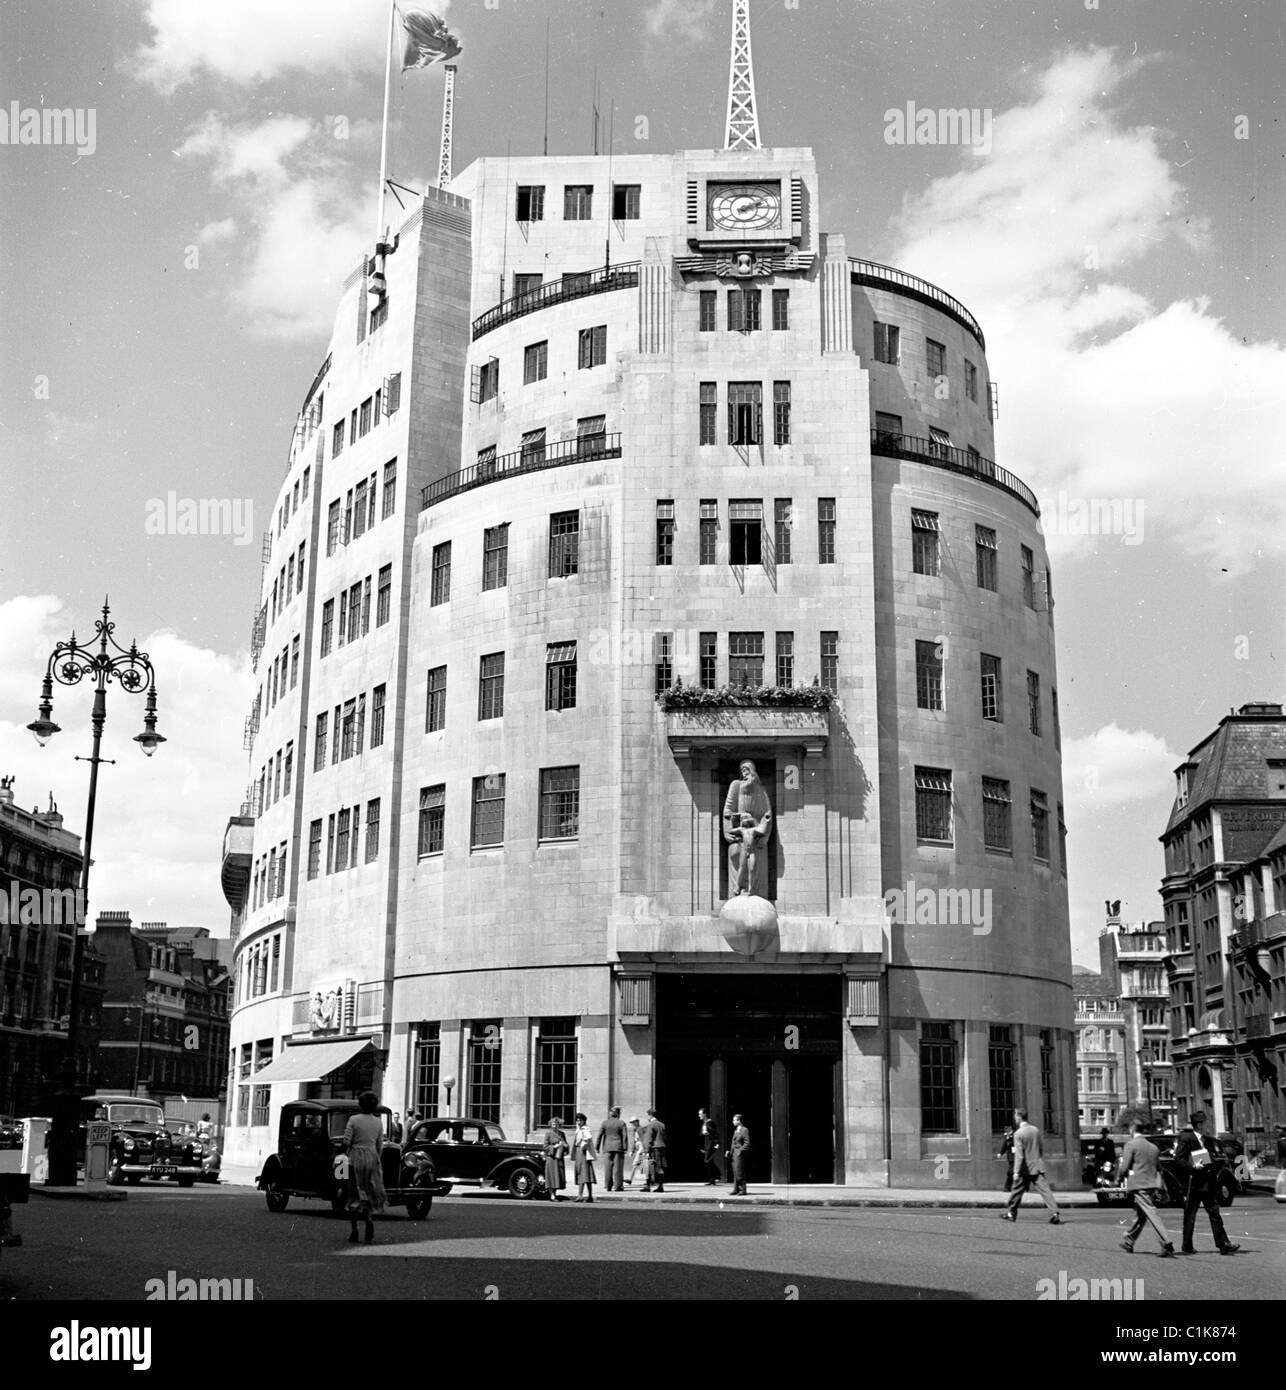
(749,917)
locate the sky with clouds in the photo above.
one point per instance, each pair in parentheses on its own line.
(167,296)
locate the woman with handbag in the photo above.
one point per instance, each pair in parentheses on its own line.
(555,1153)
(584,1155)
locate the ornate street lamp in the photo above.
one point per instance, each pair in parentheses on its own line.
(69,664)
(449,1083)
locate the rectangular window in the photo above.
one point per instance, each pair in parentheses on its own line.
(337,440)
(488,811)
(992,703)
(746,524)
(294,662)
(888,343)
(364,419)
(564,544)
(535,362)
(319,743)
(709,412)
(533,449)
(560,675)
(555,1070)
(427,1070)
(746,658)
(985,555)
(997,826)
(939,443)
(491,686)
(377,715)
(366,603)
(440,590)
(1062,842)
(290,579)
(782,521)
(384,595)
(744,310)
(332,527)
(926,557)
(327,626)
(488,383)
(665,532)
(330,844)
(709,660)
(625,202)
(359,515)
(299,568)
(1001,1075)
(825,530)
(591,437)
(780,310)
(348,729)
(663,661)
(1050,1118)
(708,540)
(432,819)
(708,312)
(781,412)
(1029,577)
(485,1047)
(495,556)
(928,675)
(933,805)
(786,658)
(830,661)
(436,714)
(939,1068)
(314,848)
(372,830)
(745,412)
(355,612)
(525,286)
(578,202)
(1033,702)
(390,488)
(287,770)
(971,380)
(335,741)
(935,355)
(531,203)
(1039,826)
(593,347)
(341,841)
(352,426)
(888,429)
(559,803)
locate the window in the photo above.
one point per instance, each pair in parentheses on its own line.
(348,729)
(971,380)
(491,686)
(665,532)
(1001,1075)
(290,580)
(564,544)
(1050,1120)
(708,312)
(559,803)
(1062,845)
(436,714)
(392,393)
(708,659)
(593,347)
(378,318)
(663,660)
(830,661)
(939,443)
(535,362)
(745,412)
(745,519)
(525,286)
(390,488)
(985,555)
(709,412)
(332,527)
(925,549)
(287,770)
(782,518)
(746,658)
(485,1047)
(432,819)
(341,842)
(997,829)
(427,1070)
(744,310)
(384,595)
(708,540)
(337,440)
(314,849)
(372,830)
(531,203)
(294,662)
(555,1070)
(299,568)
(533,449)
(578,202)
(495,556)
(366,603)
(591,437)
(378,696)
(1029,578)
(780,310)
(330,844)
(560,675)
(1053,709)
(888,429)
(992,703)
(488,811)
(933,805)
(928,675)
(359,518)
(939,1065)
(440,590)
(1039,826)
(1033,702)
(786,658)
(781,412)
(364,419)
(319,743)
(625,202)
(888,343)
(935,355)
(352,426)
(327,625)
(488,379)
(825,530)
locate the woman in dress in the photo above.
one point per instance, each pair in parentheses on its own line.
(363,1142)
(584,1154)
(555,1153)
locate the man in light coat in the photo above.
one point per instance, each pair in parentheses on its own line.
(1139,1169)
(612,1142)
(1029,1170)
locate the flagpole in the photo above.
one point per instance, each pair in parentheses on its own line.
(388,85)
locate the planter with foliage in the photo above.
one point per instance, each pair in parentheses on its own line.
(699,697)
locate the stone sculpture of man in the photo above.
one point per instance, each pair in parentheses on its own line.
(747,823)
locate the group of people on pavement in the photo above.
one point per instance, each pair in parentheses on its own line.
(645,1143)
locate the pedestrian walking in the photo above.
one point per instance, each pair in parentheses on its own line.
(1139,1169)
(654,1141)
(710,1148)
(1007,1154)
(395,1129)
(1029,1170)
(583,1156)
(555,1154)
(1194,1159)
(737,1152)
(612,1141)
(638,1150)
(363,1143)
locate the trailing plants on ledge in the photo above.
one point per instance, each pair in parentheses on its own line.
(682,697)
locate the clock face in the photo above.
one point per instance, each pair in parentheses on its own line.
(745,207)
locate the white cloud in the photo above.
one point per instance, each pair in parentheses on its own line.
(1115,767)
(687,20)
(214,232)
(1124,399)
(159,823)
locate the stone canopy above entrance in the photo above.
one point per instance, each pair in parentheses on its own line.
(743,730)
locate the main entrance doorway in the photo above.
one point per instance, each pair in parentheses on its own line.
(767,1046)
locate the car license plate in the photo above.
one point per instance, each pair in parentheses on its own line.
(164,1170)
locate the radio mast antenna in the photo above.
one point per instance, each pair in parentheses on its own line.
(743,121)
(448,119)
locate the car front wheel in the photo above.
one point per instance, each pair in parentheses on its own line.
(522,1183)
(274,1196)
(417,1208)
(1226,1192)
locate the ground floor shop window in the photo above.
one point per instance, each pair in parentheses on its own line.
(555,1071)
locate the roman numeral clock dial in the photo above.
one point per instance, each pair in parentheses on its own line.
(745,207)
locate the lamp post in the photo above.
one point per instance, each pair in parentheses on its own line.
(449,1083)
(1145,1062)
(69,664)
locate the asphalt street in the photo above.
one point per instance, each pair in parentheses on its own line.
(488,1246)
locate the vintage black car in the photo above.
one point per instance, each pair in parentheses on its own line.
(310,1160)
(10,1132)
(465,1150)
(141,1146)
(1174,1185)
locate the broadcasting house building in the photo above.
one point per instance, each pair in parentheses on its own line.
(567,537)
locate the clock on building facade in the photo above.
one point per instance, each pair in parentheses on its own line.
(744,207)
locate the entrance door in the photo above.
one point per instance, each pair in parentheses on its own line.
(749,1094)
(810,1090)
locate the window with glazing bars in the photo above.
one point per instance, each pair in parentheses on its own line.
(491,686)
(578,202)
(319,743)
(708,539)
(488,379)
(555,1071)
(564,544)
(709,412)
(780,309)
(436,712)
(535,362)
(939,1088)
(708,658)
(531,203)
(663,660)
(560,675)
(745,528)
(935,356)
(781,412)
(359,514)
(372,830)
(390,488)
(1039,826)
(314,848)
(1049,1117)
(665,532)
(488,827)
(294,661)
(485,1048)
(533,448)
(786,658)
(1029,577)
(830,661)
(928,675)
(432,825)
(593,346)
(1001,1075)
(495,556)
(939,442)
(971,380)
(1062,842)
(591,436)
(985,554)
(337,440)
(992,705)
(888,345)
(997,828)
(440,586)
(1033,702)
(526,285)
(341,841)
(428,1070)
(377,715)
(625,202)
(926,555)
(384,595)
(746,658)
(287,769)
(330,843)
(708,311)
(825,530)
(782,523)
(559,803)
(745,412)
(332,527)
(933,805)
(743,310)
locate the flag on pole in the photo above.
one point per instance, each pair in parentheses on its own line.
(428,40)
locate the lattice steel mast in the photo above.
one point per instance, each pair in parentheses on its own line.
(743,121)
(448,115)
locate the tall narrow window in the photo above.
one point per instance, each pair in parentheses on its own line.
(708,312)
(663,660)
(294,662)
(327,626)
(1001,1075)
(287,769)
(359,513)
(591,437)
(782,522)
(555,1070)
(314,849)
(366,604)
(1039,826)
(743,310)
(348,729)
(625,202)
(531,203)
(560,675)
(997,827)
(593,347)
(485,1036)
(825,530)
(559,803)
(933,805)
(780,310)
(337,440)
(786,658)
(1053,709)
(491,686)
(781,412)
(992,703)
(428,1070)
(432,819)
(1029,577)
(1049,1115)
(372,830)
(341,841)
(830,661)
(384,595)
(488,811)
(939,1078)
(746,658)
(378,696)
(440,588)
(745,524)
(436,713)
(1033,702)
(926,557)
(971,380)
(495,556)
(332,527)
(708,540)
(709,412)
(745,412)
(535,362)
(330,844)
(935,357)
(319,742)
(1062,842)
(708,657)
(488,379)
(564,544)
(985,555)
(888,343)
(578,202)
(928,675)
(665,532)
(390,488)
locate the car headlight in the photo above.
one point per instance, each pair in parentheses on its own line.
(127,1144)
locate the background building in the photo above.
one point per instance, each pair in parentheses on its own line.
(1100,1050)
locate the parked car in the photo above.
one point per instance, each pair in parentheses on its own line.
(141,1146)
(467,1150)
(310,1160)
(10,1132)
(207,1146)
(1174,1184)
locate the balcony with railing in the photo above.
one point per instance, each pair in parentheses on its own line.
(938,455)
(585,448)
(576,286)
(888,277)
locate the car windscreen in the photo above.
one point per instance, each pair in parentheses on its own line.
(136,1115)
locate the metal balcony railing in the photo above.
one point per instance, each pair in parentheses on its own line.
(584,449)
(889,277)
(906,446)
(616,277)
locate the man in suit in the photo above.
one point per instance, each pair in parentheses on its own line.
(1139,1169)
(654,1142)
(1104,1150)
(709,1148)
(1029,1170)
(1194,1158)
(740,1147)
(611,1143)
